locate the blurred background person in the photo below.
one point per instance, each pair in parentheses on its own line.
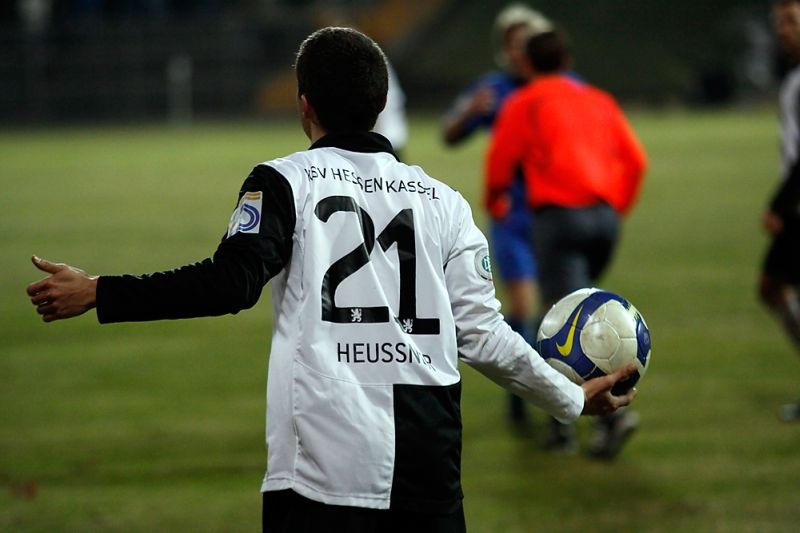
(583,166)
(780,273)
(392,122)
(510,231)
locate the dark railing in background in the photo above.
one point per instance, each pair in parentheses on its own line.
(140,70)
(178,59)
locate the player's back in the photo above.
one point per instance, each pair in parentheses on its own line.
(373,243)
(363,366)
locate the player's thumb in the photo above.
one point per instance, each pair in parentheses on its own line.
(46,266)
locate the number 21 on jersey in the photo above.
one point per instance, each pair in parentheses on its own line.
(399,231)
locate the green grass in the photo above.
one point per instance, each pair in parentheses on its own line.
(159,426)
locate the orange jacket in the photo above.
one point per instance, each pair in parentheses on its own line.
(574,146)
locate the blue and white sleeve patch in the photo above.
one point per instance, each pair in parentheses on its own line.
(246,218)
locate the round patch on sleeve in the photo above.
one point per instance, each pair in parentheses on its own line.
(483,264)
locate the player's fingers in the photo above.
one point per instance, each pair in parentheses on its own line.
(623,372)
(53,311)
(44,285)
(50,317)
(40,297)
(605,383)
(37,287)
(48,311)
(624,399)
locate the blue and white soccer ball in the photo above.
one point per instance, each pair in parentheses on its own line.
(591,333)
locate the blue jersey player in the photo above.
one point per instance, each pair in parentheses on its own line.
(511,223)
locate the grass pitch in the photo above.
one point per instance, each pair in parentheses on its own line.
(159,426)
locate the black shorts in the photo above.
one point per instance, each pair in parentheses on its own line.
(285,511)
(783,256)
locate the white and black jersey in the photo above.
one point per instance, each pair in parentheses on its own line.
(786,201)
(381,281)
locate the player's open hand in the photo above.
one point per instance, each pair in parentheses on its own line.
(66,292)
(599,400)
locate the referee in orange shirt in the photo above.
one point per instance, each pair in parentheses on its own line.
(583,168)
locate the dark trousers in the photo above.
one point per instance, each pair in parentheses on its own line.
(573,247)
(285,511)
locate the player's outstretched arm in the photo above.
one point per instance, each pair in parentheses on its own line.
(65,293)
(599,400)
(479,103)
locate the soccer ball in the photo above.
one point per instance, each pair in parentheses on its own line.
(591,333)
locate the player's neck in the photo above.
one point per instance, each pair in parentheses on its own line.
(316,132)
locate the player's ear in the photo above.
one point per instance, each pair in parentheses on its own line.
(308,116)
(307,111)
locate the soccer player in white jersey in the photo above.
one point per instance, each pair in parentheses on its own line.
(381,282)
(779,285)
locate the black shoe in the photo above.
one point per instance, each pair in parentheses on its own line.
(561,439)
(609,438)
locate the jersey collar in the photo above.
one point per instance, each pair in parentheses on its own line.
(368,142)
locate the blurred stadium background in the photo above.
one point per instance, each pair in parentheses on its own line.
(96,60)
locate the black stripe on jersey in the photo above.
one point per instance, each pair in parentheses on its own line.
(427,474)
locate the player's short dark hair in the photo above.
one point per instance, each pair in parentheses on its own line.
(548,52)
(343,75)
